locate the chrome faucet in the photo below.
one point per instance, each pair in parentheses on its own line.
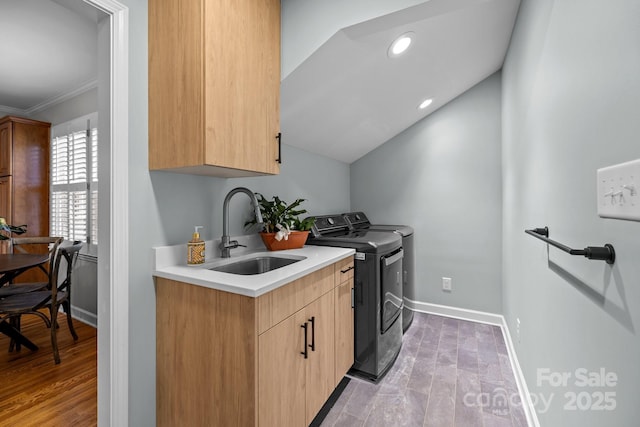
(226,244)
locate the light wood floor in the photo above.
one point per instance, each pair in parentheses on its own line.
(34,391)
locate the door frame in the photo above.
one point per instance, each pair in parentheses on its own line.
(113,296)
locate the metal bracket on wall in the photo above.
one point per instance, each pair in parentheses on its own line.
(602,253)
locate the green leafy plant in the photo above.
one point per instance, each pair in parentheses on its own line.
(15,229)
(277,211)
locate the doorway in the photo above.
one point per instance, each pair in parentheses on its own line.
(113,264)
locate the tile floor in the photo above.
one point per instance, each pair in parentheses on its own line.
(449,373)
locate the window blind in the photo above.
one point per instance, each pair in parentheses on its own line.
(74,181)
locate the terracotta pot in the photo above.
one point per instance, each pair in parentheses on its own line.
(296,240)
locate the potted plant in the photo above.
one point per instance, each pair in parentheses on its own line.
(283,228)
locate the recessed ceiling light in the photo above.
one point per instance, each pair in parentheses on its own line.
(400,45)
(425,103)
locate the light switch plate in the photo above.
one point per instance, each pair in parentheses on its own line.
(619,191)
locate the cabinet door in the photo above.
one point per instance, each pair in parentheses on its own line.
(344,329)
(5,208)
(281,374)
(242,84)
(216,110)
(5,199)
(320,371)
(5,149)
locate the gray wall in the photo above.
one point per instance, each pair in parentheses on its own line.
(571,97)
(85,290)
(323,182)
(443,177)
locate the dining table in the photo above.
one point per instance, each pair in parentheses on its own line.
(11,266)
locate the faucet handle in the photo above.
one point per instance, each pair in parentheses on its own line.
(235,244)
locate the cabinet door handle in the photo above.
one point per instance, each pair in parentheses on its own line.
(305,353)
(279,138)
(313,333)
(351,267)
(353,298)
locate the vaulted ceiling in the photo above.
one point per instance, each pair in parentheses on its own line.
(348,96)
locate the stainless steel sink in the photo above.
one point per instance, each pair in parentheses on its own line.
(257,265)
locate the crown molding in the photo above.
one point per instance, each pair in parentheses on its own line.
(85,87)
(12,111)
(92,84)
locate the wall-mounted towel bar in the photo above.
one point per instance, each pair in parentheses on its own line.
(603,253)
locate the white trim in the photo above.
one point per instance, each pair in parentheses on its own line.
(116,309)
(455,312)
(527,404)
(119,217)
(84,316)
(491,319)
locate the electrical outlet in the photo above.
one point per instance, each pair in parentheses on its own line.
(446,284)
(518,329)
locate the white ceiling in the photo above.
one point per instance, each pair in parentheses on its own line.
(48,49)
(348,97)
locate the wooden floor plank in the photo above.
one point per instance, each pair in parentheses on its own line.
(36,391)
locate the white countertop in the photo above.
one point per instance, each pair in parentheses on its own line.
(170,263)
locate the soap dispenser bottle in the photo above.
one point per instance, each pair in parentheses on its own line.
(195,248)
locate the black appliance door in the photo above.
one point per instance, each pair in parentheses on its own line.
(391,288)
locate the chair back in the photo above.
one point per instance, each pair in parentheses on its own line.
(38,245)
(70,255)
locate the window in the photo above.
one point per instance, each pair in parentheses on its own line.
(74,181)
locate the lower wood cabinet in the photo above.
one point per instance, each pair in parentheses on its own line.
(282,375)
(229,360)
(296,366)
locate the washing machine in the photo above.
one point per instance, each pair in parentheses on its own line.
(378,286)
(359,221)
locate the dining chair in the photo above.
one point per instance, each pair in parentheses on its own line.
(32,245)
(58,295)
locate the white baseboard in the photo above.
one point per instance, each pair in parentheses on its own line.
(527,404)
(456,313)
(491,319)
(84,316)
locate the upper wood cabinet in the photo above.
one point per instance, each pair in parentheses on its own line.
(214,86)
(24,188)
(5,148)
